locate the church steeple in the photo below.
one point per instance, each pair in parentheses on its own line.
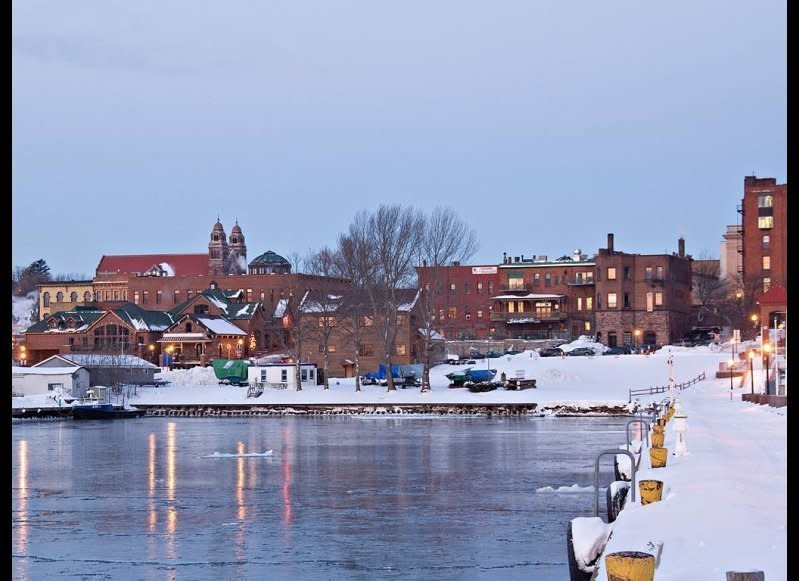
(237,262)
(217,250)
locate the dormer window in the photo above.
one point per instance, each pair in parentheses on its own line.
(188,327)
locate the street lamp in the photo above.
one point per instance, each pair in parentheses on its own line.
(767,351)
(732,363)
(754,319)
(752,370)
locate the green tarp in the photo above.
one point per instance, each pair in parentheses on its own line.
(230,368)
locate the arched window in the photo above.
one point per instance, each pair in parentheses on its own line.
(188,327)
(46,299)
(87,297)
(59,297)
(73,297)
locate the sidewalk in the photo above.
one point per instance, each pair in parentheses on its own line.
(724,503)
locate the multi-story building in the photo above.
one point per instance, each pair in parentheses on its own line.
(642,298)
(460,298)
(63,295)
(540,298)
(764,230)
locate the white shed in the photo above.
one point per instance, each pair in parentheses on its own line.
(34,380)
(281,375)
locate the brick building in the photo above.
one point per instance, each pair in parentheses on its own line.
(642,298)
(764,235)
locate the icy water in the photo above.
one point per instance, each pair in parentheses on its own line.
(356,497)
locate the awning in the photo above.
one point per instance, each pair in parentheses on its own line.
(184,338)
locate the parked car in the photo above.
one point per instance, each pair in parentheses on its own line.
(618,350)
(550,352)
(581,352)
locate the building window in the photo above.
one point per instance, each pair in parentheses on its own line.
(366,350)
(200,309)
(176,297)
(659,273)
(108,295)
(59,297)
(73,297)
(327,321)
(611,300)
(648,272)
(628,338)
(158,297)
(515,281)
(113,338)
(626,300)
(452,288)
(765,200)
(367,321)
(467,288)
(766,263)
(556,281)
(650,302)
(53,386)
(511,307)
(87,297)
(579,304)
(452,313)
(46,299)
(479,288)
(284,376)
(190,294)
(536,279)
(765,222)
(479,313)
(116,295)
(765,242)
(331,348)
(766,283)
(547,280)
(587,326)
(490,287)
(611,273)
(627,273)
(249,295)
(400,349)
(135,297)
(400,320)
(589,303)
(658,299)
(145,297)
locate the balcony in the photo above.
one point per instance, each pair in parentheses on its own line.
(580,282)
(525,288)
(528,317)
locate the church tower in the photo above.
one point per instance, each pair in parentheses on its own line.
(237,259)
(217,250)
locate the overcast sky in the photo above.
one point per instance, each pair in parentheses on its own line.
(545,124)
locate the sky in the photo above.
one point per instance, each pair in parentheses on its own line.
(724,499)
(136,125)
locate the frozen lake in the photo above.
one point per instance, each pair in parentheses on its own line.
(355,497)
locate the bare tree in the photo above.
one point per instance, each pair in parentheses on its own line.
(445,239)
(323,303)
(396,233)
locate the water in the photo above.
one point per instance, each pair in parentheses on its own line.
(357,497)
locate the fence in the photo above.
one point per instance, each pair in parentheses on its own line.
(664,388)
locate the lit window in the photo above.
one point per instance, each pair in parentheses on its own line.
(650,302)
(766,283)
(479,288)
(401,349)
(611,274)
(479,313)
(765,242)
(588,325)
(766,263)
(658,299)
(452,313)
(765,200)
(589,303)
(579,303)
(611,300)
(135,297)
(765,222)
(516,283)
(648,273)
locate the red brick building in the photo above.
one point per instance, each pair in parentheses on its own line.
(764,235)
(642,298)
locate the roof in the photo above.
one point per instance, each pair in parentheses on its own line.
(80,317)
(108,360)
(269,258)
(775,295)
(17,370)
(356,300)
(178,264)
(143,320)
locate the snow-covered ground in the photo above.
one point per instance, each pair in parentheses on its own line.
(724,504)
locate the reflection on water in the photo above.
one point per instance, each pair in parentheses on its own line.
(203,498)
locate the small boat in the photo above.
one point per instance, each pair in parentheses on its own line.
(91,408)
(458,378)
(480,375)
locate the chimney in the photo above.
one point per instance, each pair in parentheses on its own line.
(610,242)
(681,247)
(504,258)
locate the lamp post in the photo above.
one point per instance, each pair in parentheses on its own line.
(637,334)
(767,351)
(732,366)
(752,370)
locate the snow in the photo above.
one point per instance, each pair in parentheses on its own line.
(221,326)
(22,311)
(724,503)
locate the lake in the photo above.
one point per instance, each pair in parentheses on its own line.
(330,497)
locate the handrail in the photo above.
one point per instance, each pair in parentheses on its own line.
(664,388)
(596,475)
(637,421)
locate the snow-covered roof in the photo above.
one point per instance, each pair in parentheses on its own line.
(108,360)
(17,370)
(221,326)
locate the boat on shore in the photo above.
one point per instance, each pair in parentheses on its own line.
(91,407)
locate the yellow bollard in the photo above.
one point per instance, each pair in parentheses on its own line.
(656,429)
(630,566)
(657,457)
(657,440)
(651,490)
(662,422)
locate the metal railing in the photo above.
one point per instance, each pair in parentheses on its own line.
(664,388)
